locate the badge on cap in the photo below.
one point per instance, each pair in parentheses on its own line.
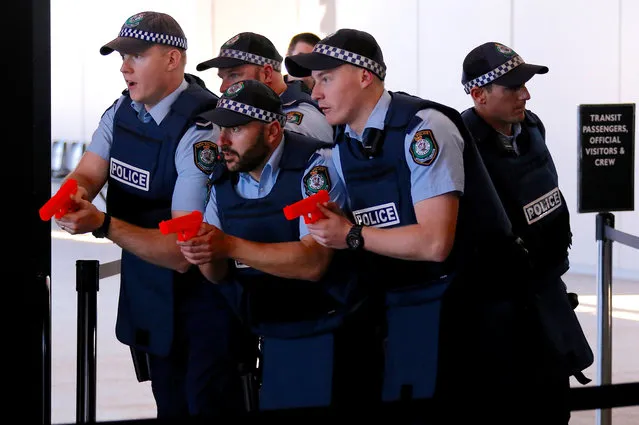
(317,179)
(234,89)
(232,40)
(294,117)
(134,20)
(424,148)
(504,50)
(205,154)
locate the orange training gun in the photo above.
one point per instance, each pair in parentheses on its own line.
(185,226)
(61,202)
(307,207)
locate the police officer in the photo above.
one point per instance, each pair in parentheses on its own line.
(156,162)
(401,160)
(540,342)
(302,43)
(248,55)
(320,346)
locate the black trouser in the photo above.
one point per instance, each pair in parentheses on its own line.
(200,376)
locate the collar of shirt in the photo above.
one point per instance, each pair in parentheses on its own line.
(510,142)
(375,119)
(162,108)
(248,187)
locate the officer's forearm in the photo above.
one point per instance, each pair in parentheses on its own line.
(148,244)
(291,260)
(214,271)
(412,242)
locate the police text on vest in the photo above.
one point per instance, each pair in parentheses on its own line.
(378,216)
(542,206)
(130,175)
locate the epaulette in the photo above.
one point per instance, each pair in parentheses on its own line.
(202,123)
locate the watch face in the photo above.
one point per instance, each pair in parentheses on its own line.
(354,238)
(353,241)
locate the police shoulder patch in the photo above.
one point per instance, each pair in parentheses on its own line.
(294,117)
(205,154)
(317,179)
(424,147)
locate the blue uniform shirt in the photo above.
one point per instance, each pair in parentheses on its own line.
(247,187)
(190,188)
(445,175)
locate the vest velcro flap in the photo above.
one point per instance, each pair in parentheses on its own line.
(297,372)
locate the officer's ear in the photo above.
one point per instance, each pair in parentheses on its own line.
(479,95)
(174,57)
(366,78)
(273,132)
(267,70)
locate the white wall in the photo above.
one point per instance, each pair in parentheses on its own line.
(590,46)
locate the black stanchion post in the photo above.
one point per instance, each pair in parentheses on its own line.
(87,285)
(45,283)
(604,309)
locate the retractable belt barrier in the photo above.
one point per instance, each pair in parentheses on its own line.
(602,397)
(605,235)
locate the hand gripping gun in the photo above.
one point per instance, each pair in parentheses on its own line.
(61,202)
(185,226)
(307,207)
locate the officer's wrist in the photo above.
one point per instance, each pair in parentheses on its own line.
(103,230)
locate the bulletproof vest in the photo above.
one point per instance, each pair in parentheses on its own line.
(142,177)
(528,187)
(274,306)
(295,94)
(378,181)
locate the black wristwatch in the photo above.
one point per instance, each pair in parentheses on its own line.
(354,239)
(103,230)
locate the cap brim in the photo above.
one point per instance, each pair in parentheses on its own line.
(520,74)
(226,118)
(220,62)
(303,64)
(125,45)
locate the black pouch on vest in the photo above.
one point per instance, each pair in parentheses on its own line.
(562,329)
(141,364)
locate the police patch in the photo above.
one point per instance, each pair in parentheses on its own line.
(234,89)
(507,51)
(232,40)
(542,206)
(134,20)
(205,154)
(424,147)
(317,179)
(294,117)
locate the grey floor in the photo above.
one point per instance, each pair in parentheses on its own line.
(120,396)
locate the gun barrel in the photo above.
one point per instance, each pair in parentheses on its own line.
(185,223)
(306,205)
(60,202)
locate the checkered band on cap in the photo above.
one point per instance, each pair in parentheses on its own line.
(491,76)
(250,57)
(350,57)
(153,37)
(251,111)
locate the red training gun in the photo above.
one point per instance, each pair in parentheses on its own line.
(307,207)
(61,202)
(185,226)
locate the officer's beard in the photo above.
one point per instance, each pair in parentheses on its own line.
(253,158)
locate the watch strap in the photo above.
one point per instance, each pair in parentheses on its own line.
(103,230)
